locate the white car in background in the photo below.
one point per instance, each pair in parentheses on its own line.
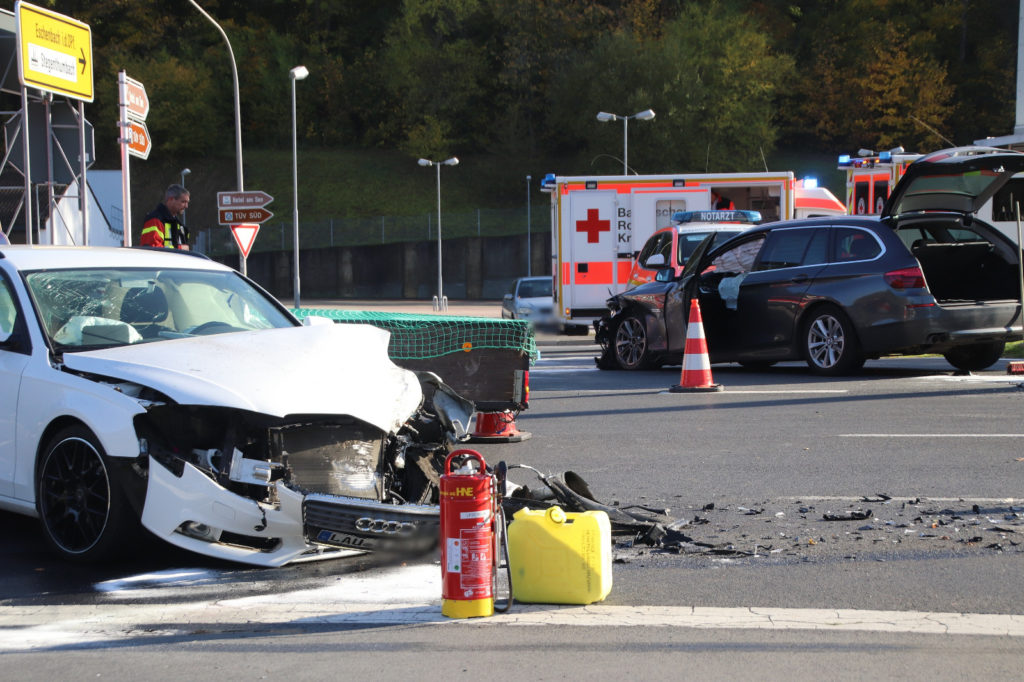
(531,299)
(157,388)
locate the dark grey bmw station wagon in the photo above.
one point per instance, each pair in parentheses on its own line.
(924,277)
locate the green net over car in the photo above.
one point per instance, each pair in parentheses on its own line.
(418,337)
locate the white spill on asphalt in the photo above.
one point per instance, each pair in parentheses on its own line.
(154,582)
(411,595)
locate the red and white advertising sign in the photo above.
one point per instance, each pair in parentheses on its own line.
(245,235)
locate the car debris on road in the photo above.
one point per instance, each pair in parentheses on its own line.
(898,527)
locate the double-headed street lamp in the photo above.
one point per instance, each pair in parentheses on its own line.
(439,301)
(645,115)
(296,74)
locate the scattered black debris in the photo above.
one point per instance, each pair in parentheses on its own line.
(653,510)
(568,490)
(730,551)
(729,532)
(851,515)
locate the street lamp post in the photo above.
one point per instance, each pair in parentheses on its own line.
(440,303)
(529,254)
(296,74)
(184,172)
(645,115)
(238,111)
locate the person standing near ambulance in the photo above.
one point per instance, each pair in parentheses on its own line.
(720,203)
(162,227)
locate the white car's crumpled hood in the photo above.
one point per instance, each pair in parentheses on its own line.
(322,369)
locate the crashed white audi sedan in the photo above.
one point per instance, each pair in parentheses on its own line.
(157,388)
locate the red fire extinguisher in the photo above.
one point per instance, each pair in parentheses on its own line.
(471,520)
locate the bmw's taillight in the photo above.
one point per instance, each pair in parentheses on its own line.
(905,278)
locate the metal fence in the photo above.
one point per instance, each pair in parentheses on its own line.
(313,234)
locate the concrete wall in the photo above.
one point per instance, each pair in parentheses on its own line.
(471,268)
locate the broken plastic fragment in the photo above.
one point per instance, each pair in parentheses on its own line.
(851,515)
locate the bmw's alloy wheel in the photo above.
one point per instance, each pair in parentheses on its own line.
(630,343)
(826,341)
(74,490)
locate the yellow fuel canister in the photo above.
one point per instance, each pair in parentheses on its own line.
(560,557)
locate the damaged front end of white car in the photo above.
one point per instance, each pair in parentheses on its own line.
(326,446)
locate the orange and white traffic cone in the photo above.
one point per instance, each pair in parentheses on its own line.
(696,374)
(497,427)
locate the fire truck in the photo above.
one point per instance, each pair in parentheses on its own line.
(599,223)
(871,176)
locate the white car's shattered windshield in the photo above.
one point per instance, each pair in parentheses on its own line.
(99,308)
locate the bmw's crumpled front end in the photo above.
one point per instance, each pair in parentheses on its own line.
(314,445)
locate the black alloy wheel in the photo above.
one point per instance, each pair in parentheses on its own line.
(82,513)
(630,344)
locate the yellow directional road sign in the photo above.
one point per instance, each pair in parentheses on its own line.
(54,52)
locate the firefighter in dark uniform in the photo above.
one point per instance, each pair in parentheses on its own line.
(162,227)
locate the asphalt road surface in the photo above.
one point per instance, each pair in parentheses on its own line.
(852,528)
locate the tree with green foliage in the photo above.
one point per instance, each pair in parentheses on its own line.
(711,77)
(522,80)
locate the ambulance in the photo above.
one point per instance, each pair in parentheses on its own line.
(870,178)
(599,223)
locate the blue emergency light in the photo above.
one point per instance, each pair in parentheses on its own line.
(810,183)
(681,217)
(885,156)
(844,159)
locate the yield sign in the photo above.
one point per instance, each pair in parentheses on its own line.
(245,235)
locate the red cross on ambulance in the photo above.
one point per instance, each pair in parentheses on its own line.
(593,226)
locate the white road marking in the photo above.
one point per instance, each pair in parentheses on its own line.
(894,498)
(414,598)
(561,370)
(930,435)
(976,378)
(728,391)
